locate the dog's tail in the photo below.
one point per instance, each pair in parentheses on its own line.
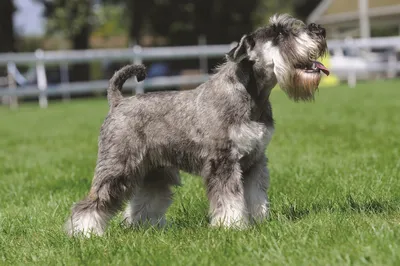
(114,94)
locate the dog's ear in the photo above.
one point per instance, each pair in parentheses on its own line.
(242,49)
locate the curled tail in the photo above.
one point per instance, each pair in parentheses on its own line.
(114,95)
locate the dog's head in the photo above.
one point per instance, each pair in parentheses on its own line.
(288,48)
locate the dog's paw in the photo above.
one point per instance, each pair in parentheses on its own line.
(82,228)
(230,223)
(134,222)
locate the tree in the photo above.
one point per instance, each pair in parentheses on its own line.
(137,11)
(219,21)
(303,8)
(7,37)
(109,21)
(71,19)
(268,8)
(136,14)
(299,8)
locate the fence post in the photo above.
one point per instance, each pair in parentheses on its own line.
(64,78)
(12,87)
(41,78)
(137,60)
(203,59)
(352,79)
(392,64)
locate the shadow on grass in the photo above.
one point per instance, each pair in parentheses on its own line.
(348,205)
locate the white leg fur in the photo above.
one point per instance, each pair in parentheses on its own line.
(233,215)
(255,190)
(87,223)
(227,203)
(149,205)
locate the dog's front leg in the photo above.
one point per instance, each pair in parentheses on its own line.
(256,182)
(225,193)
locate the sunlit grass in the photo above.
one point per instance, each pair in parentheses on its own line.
(335,189)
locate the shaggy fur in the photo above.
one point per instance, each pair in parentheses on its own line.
(219,130)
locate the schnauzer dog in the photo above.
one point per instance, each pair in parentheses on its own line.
(219,131)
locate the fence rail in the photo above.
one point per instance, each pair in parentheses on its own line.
(137,54)
(158,53)
(101,85)
(381,42)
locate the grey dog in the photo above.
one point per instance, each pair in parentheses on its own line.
(219,131)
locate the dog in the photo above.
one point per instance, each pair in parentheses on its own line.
(220,131)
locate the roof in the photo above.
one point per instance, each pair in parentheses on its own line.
(335,11)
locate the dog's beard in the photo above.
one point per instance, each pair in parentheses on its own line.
(299,83)
(296,83)
(303,85)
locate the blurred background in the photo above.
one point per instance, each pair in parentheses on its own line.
(58,49)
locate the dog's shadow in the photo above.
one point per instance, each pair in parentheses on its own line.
(348,205)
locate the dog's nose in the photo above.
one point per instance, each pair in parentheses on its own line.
(317,29)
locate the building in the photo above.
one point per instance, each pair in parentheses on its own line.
(358,18)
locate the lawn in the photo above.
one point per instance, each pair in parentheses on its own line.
(335,189)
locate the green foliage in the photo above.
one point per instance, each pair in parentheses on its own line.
(221,21)
(385,31)
(29,44)
(303,8)
(179,21)
(68,17)
(267,8)
(335,193)
(110,20)
(298,8)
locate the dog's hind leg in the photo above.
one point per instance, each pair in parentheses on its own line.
(111,186)
(152,198)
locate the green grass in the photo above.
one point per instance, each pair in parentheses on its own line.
(335,189)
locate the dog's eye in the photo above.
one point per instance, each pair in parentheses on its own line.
(276,30)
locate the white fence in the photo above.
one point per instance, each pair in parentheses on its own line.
(136,55)
(40,59)
(360,63)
